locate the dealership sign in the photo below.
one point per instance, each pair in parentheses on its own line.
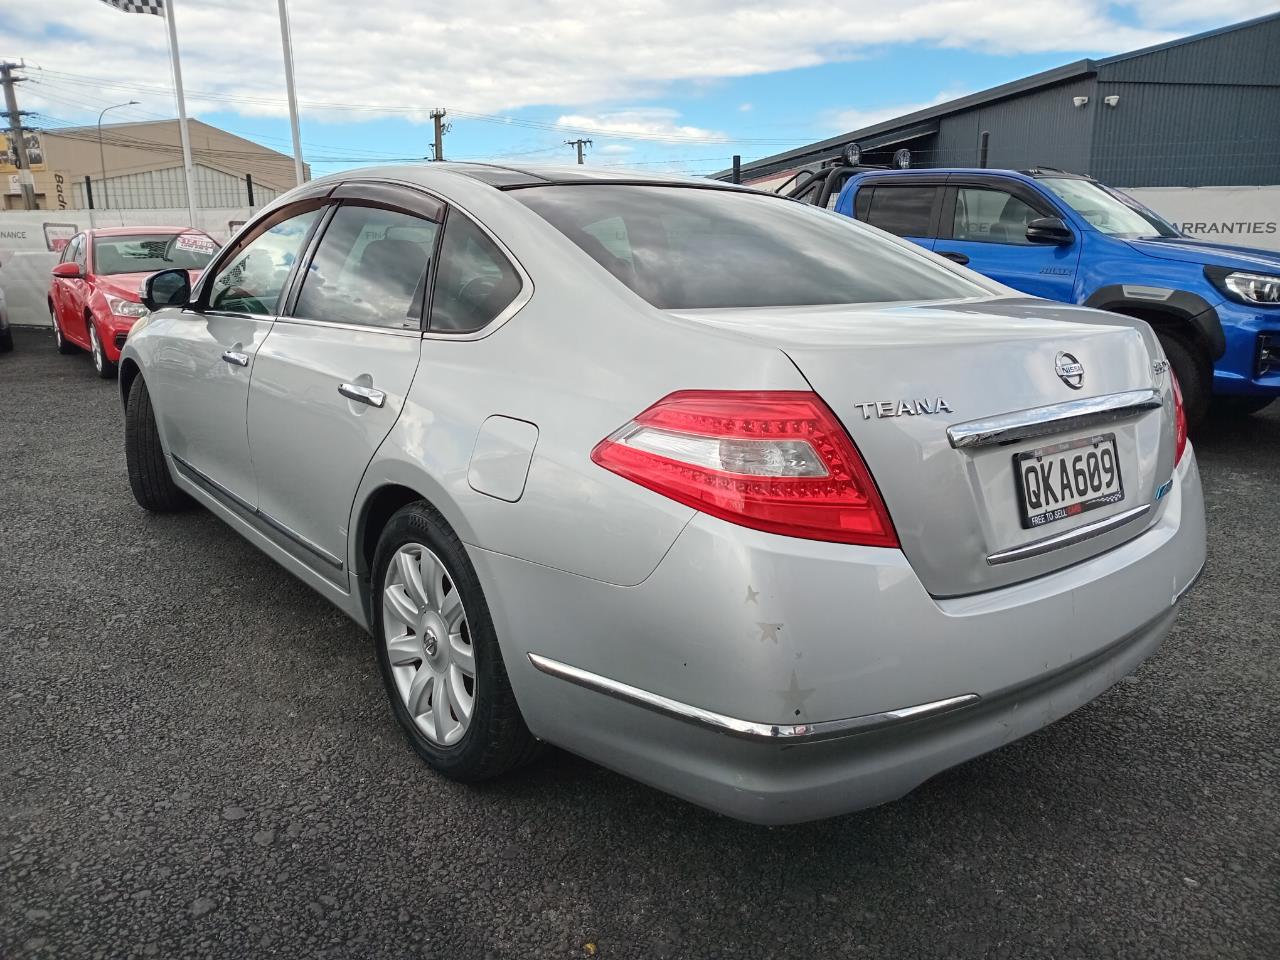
(1243,216)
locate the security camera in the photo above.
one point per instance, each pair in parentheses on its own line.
(1079,101)
(1111,101)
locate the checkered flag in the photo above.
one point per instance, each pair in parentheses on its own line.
(155,7)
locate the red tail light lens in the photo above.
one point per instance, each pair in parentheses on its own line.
(777,461)
(1179,422)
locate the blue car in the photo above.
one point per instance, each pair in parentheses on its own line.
(1058,235)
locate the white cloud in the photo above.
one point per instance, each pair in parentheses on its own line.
(745,107)
(615,149)
(647,123)
(401,57)
(842,121)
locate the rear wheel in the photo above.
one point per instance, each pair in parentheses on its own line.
(64,345)
(6,340)
(149,476)
(104,367)
(1194,373)
(1239,406)
(439,654)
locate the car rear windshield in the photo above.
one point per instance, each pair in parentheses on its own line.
(149,253)
(690,248)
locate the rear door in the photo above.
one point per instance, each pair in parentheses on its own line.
(199,375)
(332,376)
(984,226)
(908,207)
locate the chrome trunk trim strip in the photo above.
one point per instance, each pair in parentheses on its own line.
(1069,537)
(1053,419)
(747,729)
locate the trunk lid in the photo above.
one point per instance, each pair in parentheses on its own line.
(900,375)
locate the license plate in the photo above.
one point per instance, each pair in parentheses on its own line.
(1067,479)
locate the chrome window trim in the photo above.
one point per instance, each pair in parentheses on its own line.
(251,512)
(414,333)
(747,729)
(1068,538)
(1053,419)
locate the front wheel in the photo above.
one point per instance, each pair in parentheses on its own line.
(1194,373)
(149,476)
(104,367)
(64,345)
(438,652)
(1239,406)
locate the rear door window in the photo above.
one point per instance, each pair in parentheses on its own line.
(906,211)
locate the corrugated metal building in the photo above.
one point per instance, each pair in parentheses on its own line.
(1200,111)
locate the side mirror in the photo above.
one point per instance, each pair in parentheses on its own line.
(168,288)
(1049,230)
(68,271)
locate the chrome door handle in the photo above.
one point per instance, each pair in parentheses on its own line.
(239,359)
(353,391)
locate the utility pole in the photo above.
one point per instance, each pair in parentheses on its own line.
(578,145)
(437,116)
(17,136)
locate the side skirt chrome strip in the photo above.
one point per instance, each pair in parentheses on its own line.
(1071,537)
(1055,418)
(253,513)
(787,733)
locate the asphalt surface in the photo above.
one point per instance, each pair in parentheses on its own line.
(196,759)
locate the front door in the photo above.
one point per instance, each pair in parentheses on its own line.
(199,377)
(330,380)
(985,228)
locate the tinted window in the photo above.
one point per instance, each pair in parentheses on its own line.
(370,268)
(474,283)
(904,211)
(687,248)
(77,250)
(991,216)
(251,281)
(150,253)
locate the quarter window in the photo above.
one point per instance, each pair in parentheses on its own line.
(991,216)
(253,279)
(370,268)
(903,211)
(475,281)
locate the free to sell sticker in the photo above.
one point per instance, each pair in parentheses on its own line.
(195,243)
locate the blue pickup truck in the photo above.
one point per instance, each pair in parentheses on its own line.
(1058,235)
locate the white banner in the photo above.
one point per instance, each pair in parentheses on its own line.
(1243,216)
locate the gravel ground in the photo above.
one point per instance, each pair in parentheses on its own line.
(196,760)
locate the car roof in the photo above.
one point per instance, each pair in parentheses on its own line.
(135,231)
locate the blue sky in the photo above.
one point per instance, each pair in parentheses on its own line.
(660,83)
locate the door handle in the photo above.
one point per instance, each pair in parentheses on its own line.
(954,257)
(233,356)
(353,391)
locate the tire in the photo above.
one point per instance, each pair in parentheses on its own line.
(1239,406)
(1194,373)
(423,632)
(65,346)
(101,365)
(6,341)
(149,475)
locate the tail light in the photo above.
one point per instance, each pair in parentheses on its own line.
(1179,422)
(777,461)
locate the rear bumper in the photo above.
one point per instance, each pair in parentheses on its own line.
(817,649)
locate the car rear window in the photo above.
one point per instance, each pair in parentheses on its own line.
(690,248)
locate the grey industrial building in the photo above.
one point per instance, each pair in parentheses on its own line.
(1200,111)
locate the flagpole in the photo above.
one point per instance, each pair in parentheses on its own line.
(299,171)
(182,110)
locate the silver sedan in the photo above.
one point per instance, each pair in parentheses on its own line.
(755,504)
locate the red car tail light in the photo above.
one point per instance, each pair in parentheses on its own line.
(1179,422)
(777,461)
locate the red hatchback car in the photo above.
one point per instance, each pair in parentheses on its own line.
(96,292)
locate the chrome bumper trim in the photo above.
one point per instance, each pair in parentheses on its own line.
(1053,419)
(747,729)
(1069,538)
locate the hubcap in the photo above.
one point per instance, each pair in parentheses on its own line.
(424,627)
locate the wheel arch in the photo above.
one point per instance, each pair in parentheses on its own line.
(129,371)
(377,509)
(1180,312)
